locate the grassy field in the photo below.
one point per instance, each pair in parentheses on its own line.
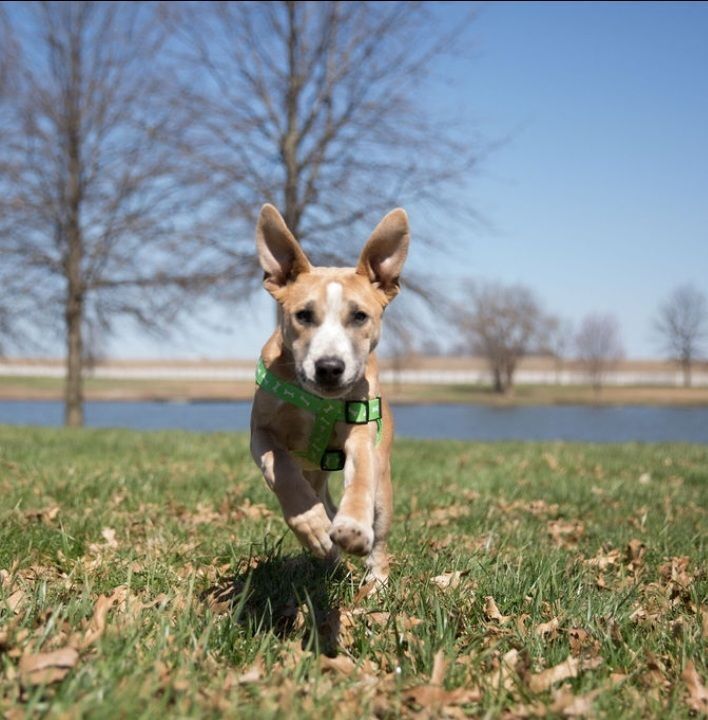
(42,388)
(150,575)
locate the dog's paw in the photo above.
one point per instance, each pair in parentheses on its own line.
(312,530)
(351,535)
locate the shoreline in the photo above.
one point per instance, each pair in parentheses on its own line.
(50,389)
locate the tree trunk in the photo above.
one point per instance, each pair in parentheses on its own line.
(74,392)
(291,138)
(498,381)
(73,388)
(686,368)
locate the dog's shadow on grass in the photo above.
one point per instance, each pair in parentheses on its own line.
(290,596)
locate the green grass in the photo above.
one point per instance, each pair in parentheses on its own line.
(205,583)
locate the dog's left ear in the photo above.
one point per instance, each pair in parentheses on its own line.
(385,252)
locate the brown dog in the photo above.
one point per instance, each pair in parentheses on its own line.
(318,401)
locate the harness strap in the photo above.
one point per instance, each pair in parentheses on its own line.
(327,412)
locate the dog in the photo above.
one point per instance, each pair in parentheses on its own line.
(317,406)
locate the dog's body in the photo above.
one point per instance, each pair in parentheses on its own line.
(329,324)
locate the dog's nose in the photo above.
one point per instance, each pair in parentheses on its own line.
(329,370)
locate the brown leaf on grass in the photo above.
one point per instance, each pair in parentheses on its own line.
(340,664)
(109,535)
(504,676)
(46,668)
(253,511)
(566,533)
(704,621)
(97,624)
(109,542)
(569,705)
(364,591)
(636,550)
(569,668)
(549,628)
(582,643)
(433,696)
(491,611)
(253,674)
(551,461)
(604,559)
(697,694)
(344,665)
(44,516)
(675,572)
(444,515)
(450,580)
(15,601)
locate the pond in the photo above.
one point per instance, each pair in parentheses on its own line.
(463,422)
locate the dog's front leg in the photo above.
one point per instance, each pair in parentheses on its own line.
(352,528)
(303,510)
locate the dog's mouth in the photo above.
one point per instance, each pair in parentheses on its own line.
(331,389)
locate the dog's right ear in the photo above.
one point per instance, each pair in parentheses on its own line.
(279,253)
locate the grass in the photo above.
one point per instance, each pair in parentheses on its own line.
(162,561)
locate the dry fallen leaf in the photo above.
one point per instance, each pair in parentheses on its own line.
(566,533)
(97,624)
(548,628)
(697,693)
(45,515)
(433,696)
(505,675)
(449,581)
(340,664)
(491,611)
(604,559)
(551,461)
(569,668)
(109,535)
(45,668)
(569,705)
(15,601)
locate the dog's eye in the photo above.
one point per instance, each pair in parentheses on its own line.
(359,317)
(305,317)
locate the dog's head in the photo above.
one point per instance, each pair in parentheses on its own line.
(331,317)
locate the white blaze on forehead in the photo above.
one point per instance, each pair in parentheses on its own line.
(331,338)
(334,301)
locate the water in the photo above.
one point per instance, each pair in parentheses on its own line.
(463,422)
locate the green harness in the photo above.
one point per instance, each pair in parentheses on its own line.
(327,412)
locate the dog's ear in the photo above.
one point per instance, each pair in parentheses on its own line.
(279,253)
(385,252)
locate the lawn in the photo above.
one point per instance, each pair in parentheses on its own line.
(150,575)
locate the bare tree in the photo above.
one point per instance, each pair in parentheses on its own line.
(93,223)
(312,106)
(502,323)
(598,346)
(558,342)
(682,326)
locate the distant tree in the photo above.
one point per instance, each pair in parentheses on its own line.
(314,107)
(598,346)
(503,324)
(682,326)
(558,341)
(93,220)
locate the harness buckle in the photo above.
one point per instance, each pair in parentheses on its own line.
(332,460)
(356,412)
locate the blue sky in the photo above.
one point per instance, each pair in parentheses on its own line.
(597,196)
